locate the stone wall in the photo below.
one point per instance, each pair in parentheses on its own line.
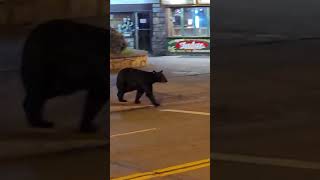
(133,62)
(159,36)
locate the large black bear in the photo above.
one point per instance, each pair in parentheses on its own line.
(130,79)
(61,57)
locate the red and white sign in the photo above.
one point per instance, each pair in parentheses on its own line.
(192,45)
(189,45)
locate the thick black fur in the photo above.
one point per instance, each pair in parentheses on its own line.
(59,58)
(130,79)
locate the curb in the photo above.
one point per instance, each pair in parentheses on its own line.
(120,108)
(131,108)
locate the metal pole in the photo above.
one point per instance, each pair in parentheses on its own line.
(136,30)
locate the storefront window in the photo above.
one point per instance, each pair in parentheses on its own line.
(194,21)
(124,23)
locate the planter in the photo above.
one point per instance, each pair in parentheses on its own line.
(133,61)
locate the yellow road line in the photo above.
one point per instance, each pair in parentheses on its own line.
(187,112)
(168,171)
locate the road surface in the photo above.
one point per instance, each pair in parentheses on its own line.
(168,137)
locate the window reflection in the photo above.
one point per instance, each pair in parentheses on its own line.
(193,21)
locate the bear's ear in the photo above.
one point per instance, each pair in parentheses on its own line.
(161,71)
(154,72)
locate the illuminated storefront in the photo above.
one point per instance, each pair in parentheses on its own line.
(163,26)
(188,25)
(133,18)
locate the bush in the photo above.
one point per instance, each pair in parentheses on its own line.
(127,52)
(117,42)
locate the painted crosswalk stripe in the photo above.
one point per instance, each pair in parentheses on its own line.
(133,132)
(186,112)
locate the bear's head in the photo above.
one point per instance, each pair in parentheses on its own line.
(159,77)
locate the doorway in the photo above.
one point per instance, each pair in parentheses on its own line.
(143,30)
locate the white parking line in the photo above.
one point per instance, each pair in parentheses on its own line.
(289,163)
(133,132)
(186,112)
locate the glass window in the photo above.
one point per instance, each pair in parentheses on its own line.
(193,21)
(124,23)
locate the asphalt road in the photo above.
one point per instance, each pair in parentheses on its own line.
(172,138)
(176,133)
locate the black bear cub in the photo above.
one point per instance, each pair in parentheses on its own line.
(130,79)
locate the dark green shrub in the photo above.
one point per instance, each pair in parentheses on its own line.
(117,42)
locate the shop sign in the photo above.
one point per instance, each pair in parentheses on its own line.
(185,2)
(203,1)
(178,2)
(189,45)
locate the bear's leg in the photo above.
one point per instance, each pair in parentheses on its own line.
(149,94)
(95,100)
(34,107)
(138,96)
(120,96)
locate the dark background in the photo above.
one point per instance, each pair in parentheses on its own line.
(265,90)
(60,153)
(267,16)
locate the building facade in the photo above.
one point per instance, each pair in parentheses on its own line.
(188,26)
(133,18)
(163,27)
